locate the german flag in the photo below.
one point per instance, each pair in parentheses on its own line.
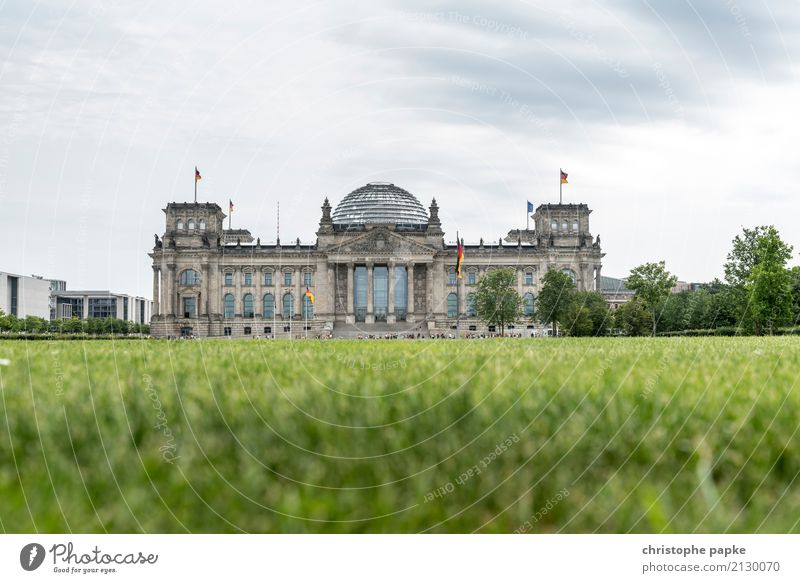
(230,206)
(563,177)
(197,176)
(459,257)
(309,295)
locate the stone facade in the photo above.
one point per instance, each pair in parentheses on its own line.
(365,276)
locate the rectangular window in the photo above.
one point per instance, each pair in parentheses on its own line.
(267,329)
(248,330)
(70,307)
(102,307)
(472,277)
(451,278)
(248,278)
(228,278)
(189,307)
(287,278)
(13,299)
(473,327)
(268,278)
(226,330)
(307,278)
(287,328)
(528,278)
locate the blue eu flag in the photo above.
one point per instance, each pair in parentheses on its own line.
(530,207)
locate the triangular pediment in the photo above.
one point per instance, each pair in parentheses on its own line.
(382,241)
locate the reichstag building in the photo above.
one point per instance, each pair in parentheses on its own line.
(380,264)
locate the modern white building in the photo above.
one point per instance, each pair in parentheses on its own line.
(24,296)
(85,304)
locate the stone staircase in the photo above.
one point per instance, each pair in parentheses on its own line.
(342,330)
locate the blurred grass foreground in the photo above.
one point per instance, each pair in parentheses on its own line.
(544,435)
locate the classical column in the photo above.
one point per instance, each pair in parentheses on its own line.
(430,302)
(171,289)
(214,288)
(349,308)
(204,287)
(258,300)
(298,293)
(277,279)
(156,290)
(586,279)
(237,300)
(410,289)
(597,280)
(390,317)
(462,295)
(370,319)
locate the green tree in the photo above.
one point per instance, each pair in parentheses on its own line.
(743,256)
(652,284)
(769,284)
(633,318)
(795,273)
(72,326)
(6,322)
(556,298)
(496,301)
(589,315)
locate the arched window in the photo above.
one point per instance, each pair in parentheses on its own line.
(308,308)
(553,225)
(472,305)
(190,224)
(571,273)
(201,224)
(269,305)
(248,311)
(452,305)
(288,305)
(564,225)
(228,305)
(179,225)
(189,277)
(527,305)
(574,225)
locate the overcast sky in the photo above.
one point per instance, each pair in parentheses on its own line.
(676,120)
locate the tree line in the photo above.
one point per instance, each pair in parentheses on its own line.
(760,295)
(92,326)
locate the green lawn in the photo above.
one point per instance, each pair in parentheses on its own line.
(544,435)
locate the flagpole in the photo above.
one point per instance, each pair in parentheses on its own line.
(195,184)
(560,186)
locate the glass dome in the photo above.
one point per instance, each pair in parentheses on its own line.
(380,203)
